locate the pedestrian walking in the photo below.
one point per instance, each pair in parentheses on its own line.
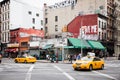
(101,54)
(70,58)
(119,57)
(78,56)
(74,57)
(0,58)
(106,55)
(47,57)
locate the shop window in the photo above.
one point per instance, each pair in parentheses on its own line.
(24,44)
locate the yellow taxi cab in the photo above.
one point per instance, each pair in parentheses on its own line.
(88,63)
(25,59)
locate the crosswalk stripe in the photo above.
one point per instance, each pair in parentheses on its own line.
(105,75)
(1,69)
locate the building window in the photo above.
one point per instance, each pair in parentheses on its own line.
(37,15)
(99,35)
(56,28)
(30,12)
(46,29)
(105,25)
(105,36)
(5,25)
(102,36)
(75,1)
(56,18)
(24,44)
(8,15)
(33,20)
(8,36)
(8,25)
(41,22)
(46,20)
(102,25)
(99,23)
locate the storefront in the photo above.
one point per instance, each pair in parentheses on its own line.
(75,46)
(11,50)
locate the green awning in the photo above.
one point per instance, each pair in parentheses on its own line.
(77,43)
(96,44)
(68,46)
(47,46)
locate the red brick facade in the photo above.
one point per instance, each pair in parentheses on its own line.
(85,20)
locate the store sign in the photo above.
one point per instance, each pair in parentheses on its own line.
(90,29)
(13,45)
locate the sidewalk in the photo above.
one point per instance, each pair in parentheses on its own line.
(46,61)
(7,60)
(111,58)
(69,62)
(11,60)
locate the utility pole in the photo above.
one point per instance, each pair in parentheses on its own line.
(81,23)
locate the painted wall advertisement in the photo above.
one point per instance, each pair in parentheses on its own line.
(89,32)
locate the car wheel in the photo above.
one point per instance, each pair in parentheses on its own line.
(16,61)
(25,61)
(90,67)
(33,62)
(102,66)
(75,69)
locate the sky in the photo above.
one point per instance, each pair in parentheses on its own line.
(39,3)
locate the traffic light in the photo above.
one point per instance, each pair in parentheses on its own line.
(64,29)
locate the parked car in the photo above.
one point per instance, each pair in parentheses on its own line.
(25,59)
(88,63)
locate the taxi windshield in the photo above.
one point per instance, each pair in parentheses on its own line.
(86,59)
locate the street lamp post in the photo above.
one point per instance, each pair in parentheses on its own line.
(81,23)
(57,56)
(61,46)
(81,41)
(64,40)
(62,53)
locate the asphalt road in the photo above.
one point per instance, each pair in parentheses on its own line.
(56,71)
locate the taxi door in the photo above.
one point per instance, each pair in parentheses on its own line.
(97,63)
(21,59)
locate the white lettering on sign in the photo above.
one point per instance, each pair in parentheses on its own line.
(22,34)
(89,32)
(90,29)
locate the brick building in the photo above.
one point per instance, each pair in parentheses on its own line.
(20,39)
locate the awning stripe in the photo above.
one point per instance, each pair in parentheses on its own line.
(47,46)
(96,44)
(78,43)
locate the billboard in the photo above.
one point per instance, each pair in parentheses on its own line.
(31,32)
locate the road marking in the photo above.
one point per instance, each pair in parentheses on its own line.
(28,76)
(102,74)
(66,74)
(1,69)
